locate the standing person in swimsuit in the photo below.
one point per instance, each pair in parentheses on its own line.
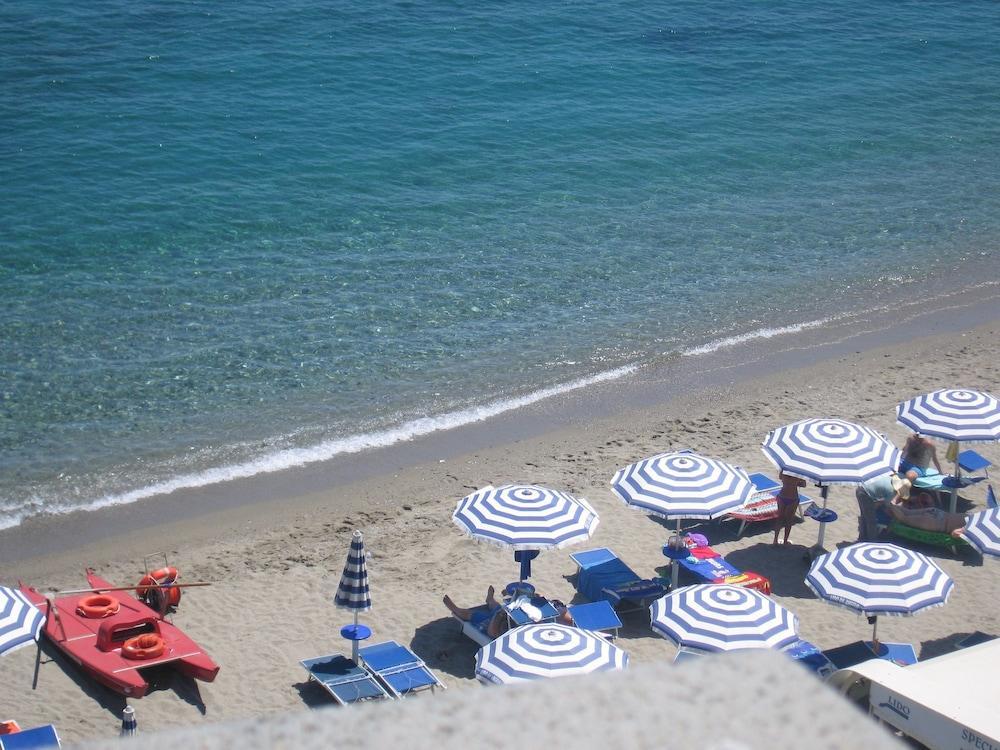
(918,455)
(788,503)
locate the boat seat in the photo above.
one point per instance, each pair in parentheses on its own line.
(113,633)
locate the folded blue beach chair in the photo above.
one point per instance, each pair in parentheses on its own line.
(399,670)
(601,574)
(842,657)
(344,680)
(27,739)
(810,656)
(598,616)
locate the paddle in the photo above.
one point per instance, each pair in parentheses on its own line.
(132,588)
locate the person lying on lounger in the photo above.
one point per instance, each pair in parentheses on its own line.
(494,613)
(921,513)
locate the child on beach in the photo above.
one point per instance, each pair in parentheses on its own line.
(788,503)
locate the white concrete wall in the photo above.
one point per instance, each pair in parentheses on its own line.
(736,701)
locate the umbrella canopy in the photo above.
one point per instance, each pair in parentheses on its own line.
(953,414)
(682,484)
(879,579)
(534,652)
(20,621)
(982,529)
(830,451)
(525,517)
(353,591)
(717,617)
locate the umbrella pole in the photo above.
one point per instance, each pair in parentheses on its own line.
(675,567)
(354,642)
(875,635)
(953,500)
(823,491)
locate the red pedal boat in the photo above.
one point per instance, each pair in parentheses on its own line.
(114,636)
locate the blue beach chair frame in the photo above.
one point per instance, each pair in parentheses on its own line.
(601,574)
(850,654)
(343,679)
(599,617)
(399,670)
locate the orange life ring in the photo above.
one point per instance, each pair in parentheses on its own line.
(97,606)
(158,578)
(145,646)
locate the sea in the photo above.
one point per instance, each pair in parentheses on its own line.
(238,237)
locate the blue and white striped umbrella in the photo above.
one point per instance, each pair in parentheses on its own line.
(953,414)
(879,579)
(982,529)
(682,484)
(545,650)
(525,517)
(353,591)
(717,617)
(831,451)
(20,621)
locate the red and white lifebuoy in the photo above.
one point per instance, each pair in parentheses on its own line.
(97,606)
(145,646)
(162,577)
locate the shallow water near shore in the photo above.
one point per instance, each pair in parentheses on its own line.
(240,238)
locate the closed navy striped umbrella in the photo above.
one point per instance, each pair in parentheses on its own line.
(546,650)
(525,517)
(353,590)
(879,579)
(718,617)
(953,414)
(982,529)
(20,621)
(353,593)
(682,484)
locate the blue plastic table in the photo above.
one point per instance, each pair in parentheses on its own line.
(548,610)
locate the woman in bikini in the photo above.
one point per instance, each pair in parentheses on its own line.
(788,503)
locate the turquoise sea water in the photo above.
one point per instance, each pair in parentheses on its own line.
(240,236)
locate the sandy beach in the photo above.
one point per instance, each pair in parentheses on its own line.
(274,563)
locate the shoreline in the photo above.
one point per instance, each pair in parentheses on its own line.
(274,563)
(253,499)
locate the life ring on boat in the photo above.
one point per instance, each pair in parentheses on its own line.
(152,581)
(145,646)
(96,606)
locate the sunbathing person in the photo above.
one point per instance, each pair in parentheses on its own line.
(493,613)
(918,515)
(918,455)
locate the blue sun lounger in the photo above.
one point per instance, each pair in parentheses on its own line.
(28,739)
(344,680)
(399,670)
(599,617)
(601,574)
(842,657)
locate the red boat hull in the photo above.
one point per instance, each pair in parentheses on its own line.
(78,637)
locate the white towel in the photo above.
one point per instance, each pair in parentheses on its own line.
(533,612)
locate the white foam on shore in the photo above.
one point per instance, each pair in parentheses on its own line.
(760,333)
(294,457)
